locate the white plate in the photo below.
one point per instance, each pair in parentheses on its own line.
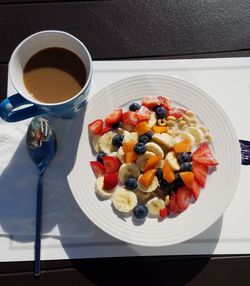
(220,186)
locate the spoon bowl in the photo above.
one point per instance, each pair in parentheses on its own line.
(41,145)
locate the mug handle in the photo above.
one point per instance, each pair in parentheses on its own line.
(14,101)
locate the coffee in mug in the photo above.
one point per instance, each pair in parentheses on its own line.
(54,75)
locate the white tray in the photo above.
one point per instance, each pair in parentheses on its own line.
(228,82)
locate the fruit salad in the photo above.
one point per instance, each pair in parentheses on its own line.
(152,159)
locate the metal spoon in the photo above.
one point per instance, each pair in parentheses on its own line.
(41,146)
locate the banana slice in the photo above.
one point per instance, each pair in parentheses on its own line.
(124,133)
(130,136)
(197,134)
(95,143)
(120,154)
(105,142)
(143,197)
(164,139)
(172,161)
(120,131)
(142,159)
(153,147)
(124,200)
(161,164)
(183,135)
(153,186)
(126,171)
(167,200)
(99,189)
(155,205)
(152,119)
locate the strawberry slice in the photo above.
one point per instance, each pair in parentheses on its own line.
(183,196)
(202,150)
(105,129)
(95,127)
(111,164)
(195,190)
(165,102)
(173,207)
(203,155)
(97,168)
(110,181)
(130,118)
(113,117)
(177,112)
(163,212)
(143,114)
(150,102)
(200,173)
(207,161)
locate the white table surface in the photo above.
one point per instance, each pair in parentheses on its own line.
(228,82)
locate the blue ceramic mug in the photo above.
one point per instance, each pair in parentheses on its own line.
(9,107)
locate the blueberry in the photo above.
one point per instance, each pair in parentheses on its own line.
(161,112)
(139,148)
(134,106)
(185,167)
(100,156)
(117,140)
(178,181)
(149,134)
(184,157)
(140,211)
(166,187)
(143,139)
(159,174)
(131,184)
(154,108)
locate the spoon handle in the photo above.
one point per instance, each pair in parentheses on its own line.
(38,223)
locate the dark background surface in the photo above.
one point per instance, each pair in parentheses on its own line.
(130,30)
